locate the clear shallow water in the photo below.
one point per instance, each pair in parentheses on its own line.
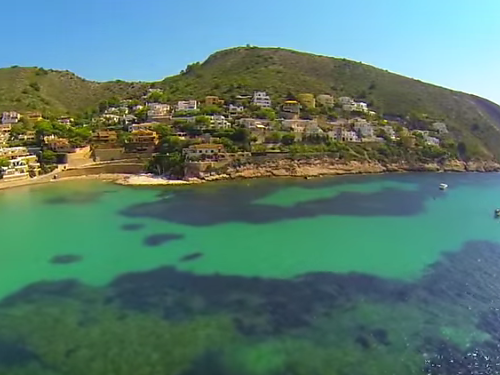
(347,275)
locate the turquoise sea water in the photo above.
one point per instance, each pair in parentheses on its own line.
(346,275)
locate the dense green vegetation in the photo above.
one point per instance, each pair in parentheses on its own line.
(57,92)
(474,122)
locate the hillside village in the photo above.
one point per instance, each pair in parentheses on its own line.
(167,135)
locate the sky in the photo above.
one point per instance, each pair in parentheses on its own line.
(452,43)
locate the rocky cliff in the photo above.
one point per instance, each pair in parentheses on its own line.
(329,167)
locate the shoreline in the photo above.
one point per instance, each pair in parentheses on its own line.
(293,169)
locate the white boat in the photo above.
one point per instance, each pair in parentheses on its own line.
(443,186)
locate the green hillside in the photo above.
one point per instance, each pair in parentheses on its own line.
(279,71)
(57,92)
(228,73)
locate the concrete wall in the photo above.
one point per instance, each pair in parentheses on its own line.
(82,156)
(110,154)
(127,168)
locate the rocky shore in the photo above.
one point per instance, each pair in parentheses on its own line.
(329,167)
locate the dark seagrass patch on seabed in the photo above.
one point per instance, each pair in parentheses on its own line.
(66,259)
(200,211)
(160,239)
(191,257)
(76,198)
(132,227)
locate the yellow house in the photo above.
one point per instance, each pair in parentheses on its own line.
(213,100)
(34,116)
(291,106)
(307,100)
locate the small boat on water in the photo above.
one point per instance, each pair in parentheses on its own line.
(443,186)
(497,212)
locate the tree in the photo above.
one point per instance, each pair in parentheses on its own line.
(203,120)
(17,129)
(163,130)
(274,137)
(288,139)
(43,128)
(48,157)
(172,164)
(155,97)
(4,162)
(228,145)
(266,113)
(142,114)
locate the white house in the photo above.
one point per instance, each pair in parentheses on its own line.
(21,162)
(187,105)
(219,122)
(235,109)
(326,100)
(158,111)
(343,135)
(207,150)
(261,99)
(364,129)
(9,118)
(344,100)
(253,123)
(142,127)
(389,130)
(360,107)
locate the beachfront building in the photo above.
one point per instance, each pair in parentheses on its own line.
(9,118)
(325,100)
(261,99)
(187,105)
(105,136)
(205,150)
(21,163)
(142,141)
(61,145)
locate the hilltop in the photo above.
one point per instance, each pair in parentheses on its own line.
(282,73)
(57,92)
